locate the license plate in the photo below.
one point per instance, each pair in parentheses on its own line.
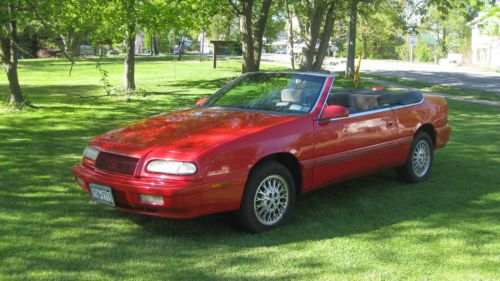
(102,194)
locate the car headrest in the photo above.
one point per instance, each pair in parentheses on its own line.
(364,102)
(291,95)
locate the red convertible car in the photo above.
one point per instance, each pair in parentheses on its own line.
(257,143)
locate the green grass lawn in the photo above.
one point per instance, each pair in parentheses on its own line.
(439,88)
(371,228)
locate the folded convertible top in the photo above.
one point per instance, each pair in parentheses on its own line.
(366,99)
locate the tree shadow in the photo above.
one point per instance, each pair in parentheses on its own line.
(49,226)
(203,83)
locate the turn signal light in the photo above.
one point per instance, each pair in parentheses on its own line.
(80,181)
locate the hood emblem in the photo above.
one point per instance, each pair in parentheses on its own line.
(113,163)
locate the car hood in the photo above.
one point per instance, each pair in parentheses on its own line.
(188,131)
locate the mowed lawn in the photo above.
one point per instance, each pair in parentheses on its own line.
(371,228)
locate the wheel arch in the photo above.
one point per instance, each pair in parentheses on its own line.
(430,130)
(289,161)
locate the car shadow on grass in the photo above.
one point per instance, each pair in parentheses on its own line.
(49,226)
(370,203)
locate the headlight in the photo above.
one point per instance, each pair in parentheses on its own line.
(91,153)
(171,167)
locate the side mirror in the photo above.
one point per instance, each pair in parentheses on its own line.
(200,102)
(334,111)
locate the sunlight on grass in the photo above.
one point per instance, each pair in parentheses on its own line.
(371,228)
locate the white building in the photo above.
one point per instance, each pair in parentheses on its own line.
(140,42)
(205,46)
(485,46)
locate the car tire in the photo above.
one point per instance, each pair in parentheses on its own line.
(268,199)
(419,162)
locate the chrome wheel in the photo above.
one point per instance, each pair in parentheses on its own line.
(271,200)
(421,158)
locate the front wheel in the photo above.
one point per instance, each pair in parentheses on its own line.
(419,163)
(268,199)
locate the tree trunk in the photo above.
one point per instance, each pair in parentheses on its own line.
(75,45)
(33,45)
(129,63)
(246,36)
(260,27)
(71,44)
(316,17)
(290,33)
(151,47)
(156,44)
(351,53)
(444,48)
(325,38)
(9,59)
(181,49)
(365,45)
(129,79)
(227,33)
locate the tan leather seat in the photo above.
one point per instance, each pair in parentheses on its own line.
(291,95)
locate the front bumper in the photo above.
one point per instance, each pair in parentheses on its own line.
(181,199)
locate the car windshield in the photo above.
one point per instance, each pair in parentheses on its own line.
(280,92)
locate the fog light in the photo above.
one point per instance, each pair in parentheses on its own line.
(80,181)
(151,199)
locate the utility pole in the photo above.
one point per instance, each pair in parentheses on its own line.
(411,52)
(201,39)
(412,38)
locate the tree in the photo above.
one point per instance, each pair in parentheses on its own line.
(252,32)
(492,16)
(52,14)
(316,21)
(291,35)
(9,12)
(277,21)
(122,19)
(317,18)
(222,25)
(351,49)
(68,20)
(449,23)
(380,33)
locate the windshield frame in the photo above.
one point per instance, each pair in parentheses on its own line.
(241,77)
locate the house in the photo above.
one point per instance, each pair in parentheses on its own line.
(485,42)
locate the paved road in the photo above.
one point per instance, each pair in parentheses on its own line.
(460,77)
(453,97)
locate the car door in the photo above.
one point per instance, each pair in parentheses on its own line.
(355,145)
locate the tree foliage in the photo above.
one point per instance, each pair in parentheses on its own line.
(380,33)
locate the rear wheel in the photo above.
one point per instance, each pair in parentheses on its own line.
(419,163)
(268,198)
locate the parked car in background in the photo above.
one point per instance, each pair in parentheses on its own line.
(258,143)
(280,49)
(113,52)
